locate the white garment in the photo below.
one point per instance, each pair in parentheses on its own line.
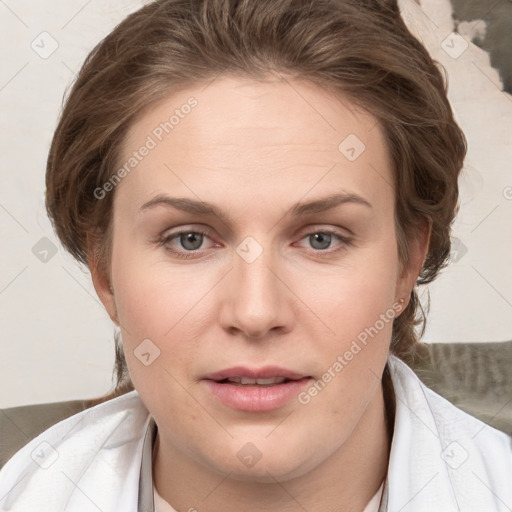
(441,459)
(160,504)
(374,503)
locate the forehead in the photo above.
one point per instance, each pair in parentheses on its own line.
(274,135)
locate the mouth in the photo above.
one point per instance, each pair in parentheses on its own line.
(255,390)
(248,381)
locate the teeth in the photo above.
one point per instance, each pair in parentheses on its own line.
(262,382)
(273,380)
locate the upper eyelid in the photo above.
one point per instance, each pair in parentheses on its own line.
(305,231)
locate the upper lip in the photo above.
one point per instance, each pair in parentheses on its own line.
(266,372)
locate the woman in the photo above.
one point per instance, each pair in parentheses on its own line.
(256,188)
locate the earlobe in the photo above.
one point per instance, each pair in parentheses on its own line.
(105,291)
(418,249)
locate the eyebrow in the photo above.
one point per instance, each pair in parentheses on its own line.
(299,209)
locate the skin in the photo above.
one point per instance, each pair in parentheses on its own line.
(254,149)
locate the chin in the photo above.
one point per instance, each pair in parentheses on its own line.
(271,464)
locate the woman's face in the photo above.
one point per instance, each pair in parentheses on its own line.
(253,291)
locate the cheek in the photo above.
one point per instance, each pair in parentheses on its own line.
(150,304)
(360,317)
(152,296)
(159,340)
(351,298)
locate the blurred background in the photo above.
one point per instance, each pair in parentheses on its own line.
(56,340)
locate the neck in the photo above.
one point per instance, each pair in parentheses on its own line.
(350,476)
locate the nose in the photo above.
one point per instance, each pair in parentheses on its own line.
(256,299)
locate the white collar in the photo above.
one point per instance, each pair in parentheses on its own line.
(442,458)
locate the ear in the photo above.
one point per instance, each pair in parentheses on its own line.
(101,278)
(418,248)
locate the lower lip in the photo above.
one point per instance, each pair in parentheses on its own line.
(256,398)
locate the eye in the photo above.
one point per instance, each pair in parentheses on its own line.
(189,243)
(322,240)
(184,244)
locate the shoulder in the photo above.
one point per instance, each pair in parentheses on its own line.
(461,463)
(446,417)
(65,464)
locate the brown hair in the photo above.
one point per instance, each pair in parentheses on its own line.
(359,49)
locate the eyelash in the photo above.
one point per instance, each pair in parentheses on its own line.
(164,240)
